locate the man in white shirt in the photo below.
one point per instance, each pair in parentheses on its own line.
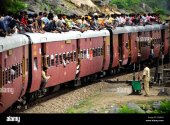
(146,79)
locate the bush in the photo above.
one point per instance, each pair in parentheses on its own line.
(12,6)
(165,106)
(125,109)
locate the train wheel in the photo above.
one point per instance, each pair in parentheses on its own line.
(118,70)
(56,88)
(95,76)
(84,80)
(111,72)
(77,82)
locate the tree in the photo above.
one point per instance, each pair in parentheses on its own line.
(12,6)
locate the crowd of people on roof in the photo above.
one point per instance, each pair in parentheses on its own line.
(49,22)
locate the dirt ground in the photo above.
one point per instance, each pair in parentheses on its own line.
(116,94)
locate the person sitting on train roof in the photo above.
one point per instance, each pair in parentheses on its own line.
(25,22)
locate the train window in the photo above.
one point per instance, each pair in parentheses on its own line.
(20,69)
(102,52)
(17,71)
(56,57)
(48,61)
(74,55)
(99,51)
(9,76)
(68,56)
(60,57)
(81,54)
(139,34)
(3,77)
(97,54)
(71,56)
(6,76)
(85,54)
(94,52)
(52,60)
(64,56)
(35,63)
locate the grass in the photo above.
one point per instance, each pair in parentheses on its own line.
(125,109)
(83,106)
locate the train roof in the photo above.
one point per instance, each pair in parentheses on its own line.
(165,26)
(91,33)
(129,29)
(14,41)
(119,30)
(50,37)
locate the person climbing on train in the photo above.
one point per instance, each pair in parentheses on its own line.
(44,81)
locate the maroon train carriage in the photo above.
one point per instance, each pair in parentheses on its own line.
(144,42)
(165,38)
(94,52)
(13,69)
(132,43)
(70,56)
(121,36)
(57,51)
(156,40)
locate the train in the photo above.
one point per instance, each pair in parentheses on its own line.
(73,57)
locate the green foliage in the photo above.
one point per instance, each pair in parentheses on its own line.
(159,10)
(125,4)
(165,106)
(58,10)
(12,6)
(125,109)
(161,7)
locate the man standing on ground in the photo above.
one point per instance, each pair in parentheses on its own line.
(146,79)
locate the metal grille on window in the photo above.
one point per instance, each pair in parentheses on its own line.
(52,60)
(9,75)
(48,61)
(68,57)
(74,55)
(102,52)
(3,77)
(17,71)
(85,54)
(71,56)
(6,76)
(35,63)
(60,58)
(56,57)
